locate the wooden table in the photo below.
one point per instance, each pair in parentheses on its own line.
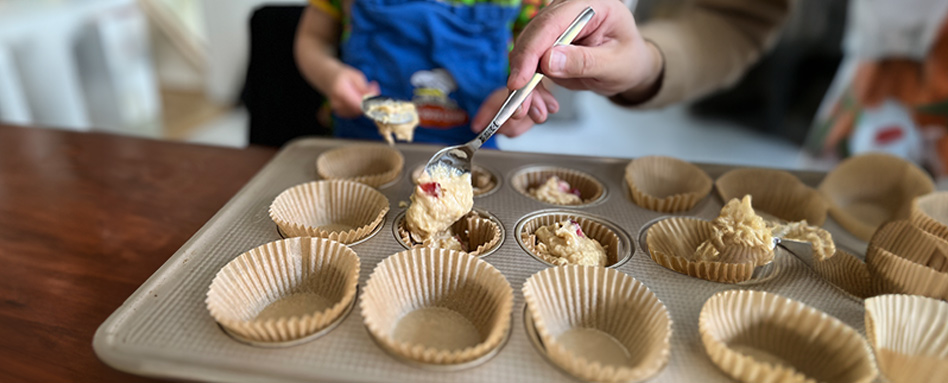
(85,218)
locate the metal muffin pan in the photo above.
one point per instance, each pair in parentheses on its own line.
(164,328)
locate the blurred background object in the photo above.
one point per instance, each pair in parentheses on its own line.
(222,72)
(891,89)
(77,65)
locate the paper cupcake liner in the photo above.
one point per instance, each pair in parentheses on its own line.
(847,272)
(775,192)
(868,190)
(910,337)
(343,211)
(591,229)
(478,231)
(893,261)
(672,243)
(483,180)
(930,213)
(372,164)
(912,243)
(666,184)
(284,290)
(437,306)
(590,189)
(755,336)
(599,324)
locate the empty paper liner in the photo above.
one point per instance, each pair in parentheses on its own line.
(847,272)
(483,180)
(666,184)
(372,164)
(599,324)
(437,306)
(910,337)
(868,190)
(672,243)
(343,211)
(755,336)
(588,187)
(907,260)
(775,192)
(930,213)
(476,232)
(616,244)
(284,290)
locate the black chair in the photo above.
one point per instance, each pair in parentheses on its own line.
(281,104)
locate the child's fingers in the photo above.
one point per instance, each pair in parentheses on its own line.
(538,110)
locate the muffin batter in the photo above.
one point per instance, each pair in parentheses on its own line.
(483,181)
(738,235)
(445,240)
(820,240)
(440,198)
(564,243)
(556,191)
(387,112)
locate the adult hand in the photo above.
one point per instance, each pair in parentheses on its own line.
(609,56)
(541,105)
(346,90)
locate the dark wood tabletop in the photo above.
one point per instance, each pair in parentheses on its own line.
(85,218)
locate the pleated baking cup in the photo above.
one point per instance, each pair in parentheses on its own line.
(666,184)
(755,336)
(846,272)
(910,337)
(614,240)
(375,165)
(868,190)
(775,192)
(284,291)
(479,230)
(912,243)
(483,180)
(896,257)
(339,210)
(599,324)
(672,243)
(930,213)
(437,307)
(590,189)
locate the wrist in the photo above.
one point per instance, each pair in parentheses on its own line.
(650,85)
(327,73)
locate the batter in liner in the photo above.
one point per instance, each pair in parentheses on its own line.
(564,243)
(556,191)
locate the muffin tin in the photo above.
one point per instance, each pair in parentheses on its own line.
(164,328)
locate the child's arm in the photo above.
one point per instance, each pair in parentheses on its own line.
(317,38)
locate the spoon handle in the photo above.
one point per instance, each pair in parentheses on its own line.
(517,97)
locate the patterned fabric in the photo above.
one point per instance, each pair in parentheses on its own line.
(528,9)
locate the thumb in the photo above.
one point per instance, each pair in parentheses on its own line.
(372,89)
(572,61)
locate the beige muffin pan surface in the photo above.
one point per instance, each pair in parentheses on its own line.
(165,330)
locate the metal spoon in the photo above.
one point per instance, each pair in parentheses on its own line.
(459,156)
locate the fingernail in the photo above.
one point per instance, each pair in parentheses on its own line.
(535,111)
(514,73)
(557,61)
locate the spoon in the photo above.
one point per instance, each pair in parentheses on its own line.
(459,157)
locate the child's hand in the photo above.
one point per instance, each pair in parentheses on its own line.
(346,90)
(541,104)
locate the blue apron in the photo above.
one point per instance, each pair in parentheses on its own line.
(446,58)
